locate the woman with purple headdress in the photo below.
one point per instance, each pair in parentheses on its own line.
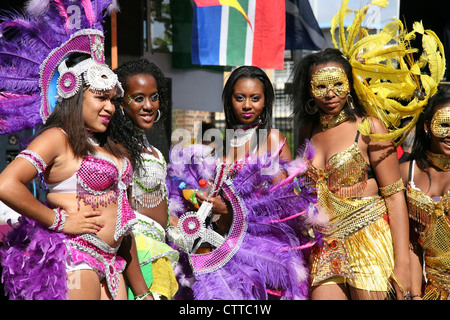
(264,213)
(78,246)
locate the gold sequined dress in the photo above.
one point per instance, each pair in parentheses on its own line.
(429,218)
(357,247)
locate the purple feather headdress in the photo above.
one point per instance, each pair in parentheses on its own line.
(27,41)
(32,47)
(265,255)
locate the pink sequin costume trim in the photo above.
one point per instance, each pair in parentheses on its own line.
(210,262)
(35,160)
(99,181)
(100,257)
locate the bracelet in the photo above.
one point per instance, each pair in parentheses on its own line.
(416,295)
(142,296)
(392,188)
(60,220)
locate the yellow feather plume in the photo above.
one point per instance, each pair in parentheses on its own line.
(389,83)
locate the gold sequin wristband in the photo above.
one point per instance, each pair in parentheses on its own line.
(392,188)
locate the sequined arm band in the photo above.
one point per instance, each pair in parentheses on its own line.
(60,220)
(34,158)
(392,188)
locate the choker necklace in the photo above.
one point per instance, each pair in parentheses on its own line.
(330,121)
(440,161)
(242,136)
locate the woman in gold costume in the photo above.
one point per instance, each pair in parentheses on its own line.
(350,102)
(428,192)
(366,242)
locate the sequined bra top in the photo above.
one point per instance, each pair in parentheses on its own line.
(345,174)
(149,186)
(101,181)
(422,207)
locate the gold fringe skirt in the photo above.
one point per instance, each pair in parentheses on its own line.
(357,247)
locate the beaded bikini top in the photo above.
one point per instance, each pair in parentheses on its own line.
(149,182)
(100,181)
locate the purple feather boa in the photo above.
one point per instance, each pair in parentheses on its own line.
(33,261)
(268,258)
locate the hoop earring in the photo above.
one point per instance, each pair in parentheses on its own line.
(158,117)
(309,108)
(350,101)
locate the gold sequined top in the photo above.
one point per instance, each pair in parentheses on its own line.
(431,222)
(345,174)
(340,186)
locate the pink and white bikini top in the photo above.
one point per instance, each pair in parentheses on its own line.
(97,182)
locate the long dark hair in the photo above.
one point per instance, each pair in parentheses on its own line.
(302,79)
(422,139)
(248,72)
(123,130)
(68,115)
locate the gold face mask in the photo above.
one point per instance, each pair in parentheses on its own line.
(440,123)
(329,78)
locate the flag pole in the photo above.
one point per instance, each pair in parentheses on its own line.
(114,51)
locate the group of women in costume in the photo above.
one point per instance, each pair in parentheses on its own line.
(332,222)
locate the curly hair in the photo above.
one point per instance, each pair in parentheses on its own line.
(422,140)
(302,79)
(123,130)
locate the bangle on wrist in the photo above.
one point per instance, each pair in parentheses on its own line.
(60,220)
(142,296)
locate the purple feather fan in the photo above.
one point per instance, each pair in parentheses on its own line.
(269,259)
(27,39)
(33,260)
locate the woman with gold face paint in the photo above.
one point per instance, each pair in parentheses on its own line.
(427,174)
(364,254)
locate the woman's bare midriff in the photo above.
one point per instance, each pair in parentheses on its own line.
(158,213)
(69,202)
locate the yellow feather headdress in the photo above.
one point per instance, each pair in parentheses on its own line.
(388,82)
